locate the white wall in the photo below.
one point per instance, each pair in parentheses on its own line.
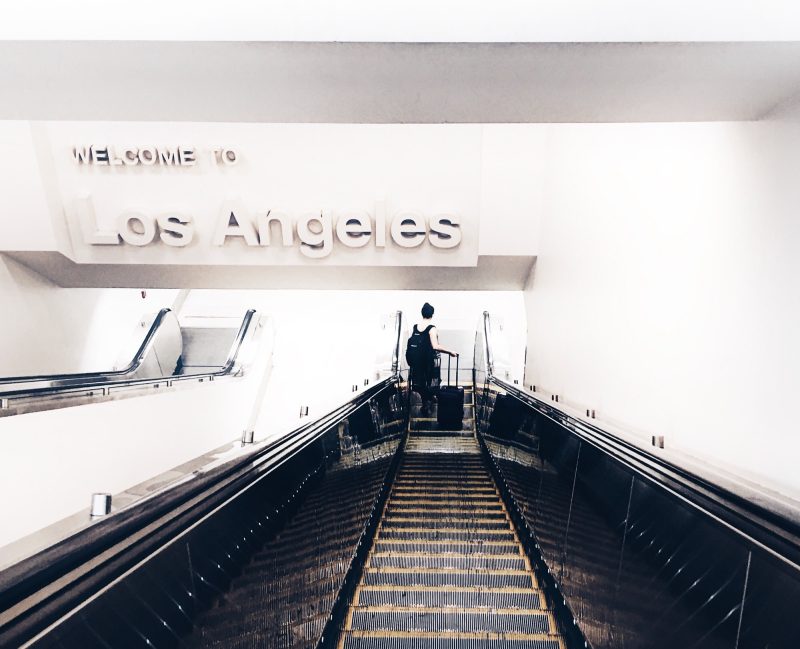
(327,341)
(665,292)
(46,329)
(52,461)
(25,223)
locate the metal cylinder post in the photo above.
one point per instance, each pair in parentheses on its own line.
(101,504)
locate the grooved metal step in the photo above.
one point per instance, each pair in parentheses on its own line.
(523,599)
(447,562)
(448,578)
(352,641)
(446,522)
(445,547)
(446,535)
(431,620)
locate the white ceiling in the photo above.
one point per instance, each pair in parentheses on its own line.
(395,82)
(410,21)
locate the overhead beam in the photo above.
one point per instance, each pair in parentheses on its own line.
(394,82)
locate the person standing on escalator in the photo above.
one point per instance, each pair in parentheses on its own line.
(421,355)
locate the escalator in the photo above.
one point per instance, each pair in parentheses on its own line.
(445,568)
(169,355)
(372,528)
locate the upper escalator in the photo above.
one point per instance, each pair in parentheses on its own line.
(168,352)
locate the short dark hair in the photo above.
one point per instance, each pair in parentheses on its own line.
(427,310)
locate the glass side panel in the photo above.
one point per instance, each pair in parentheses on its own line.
(682,576)
(771,615)
(593,548)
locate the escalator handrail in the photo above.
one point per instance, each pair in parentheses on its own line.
(757,525)
(79,385)
(236,346)
(396,351)
(132,366)
(26,584)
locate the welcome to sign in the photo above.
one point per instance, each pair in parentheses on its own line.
(269,194)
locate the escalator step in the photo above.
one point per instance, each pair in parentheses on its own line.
(449,503)
(526,599)
(446,547)
(446,522)
(447,562)
(443,491)
(469,509)
(528,622)
(352,641)
(448,578)
(446,535)
(419,512)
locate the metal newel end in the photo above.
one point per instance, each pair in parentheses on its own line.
(658,441)
(247,436)
(101,505)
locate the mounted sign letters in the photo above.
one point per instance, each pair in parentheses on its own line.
(269,194)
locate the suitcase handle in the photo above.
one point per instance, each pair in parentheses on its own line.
(448,370)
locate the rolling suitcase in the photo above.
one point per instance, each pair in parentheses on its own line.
(450,412)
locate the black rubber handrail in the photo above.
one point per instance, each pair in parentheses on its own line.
(48,586)
(135,363)
(757,525)
(85,381)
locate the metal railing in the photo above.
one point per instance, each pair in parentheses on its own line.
(397,351)
(101,384)
(8,384)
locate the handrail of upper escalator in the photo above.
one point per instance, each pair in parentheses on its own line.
(228,368)
(396,351)
(132,366)
(153,521)
(233,354)
(758,525)
(487,345)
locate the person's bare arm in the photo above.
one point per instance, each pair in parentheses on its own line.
(436,346)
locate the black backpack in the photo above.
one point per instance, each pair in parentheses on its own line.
(419,351)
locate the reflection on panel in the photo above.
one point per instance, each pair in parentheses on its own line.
(770,618)
(265,569)
(681,574)
(638,567)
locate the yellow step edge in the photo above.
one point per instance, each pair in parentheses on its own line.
(450,530)
(450,589)
(478,524)
(446,571)
(431,609)
(443,491)
(443,555)
(438,505)
(448,542)
(456,635)
(450,510)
